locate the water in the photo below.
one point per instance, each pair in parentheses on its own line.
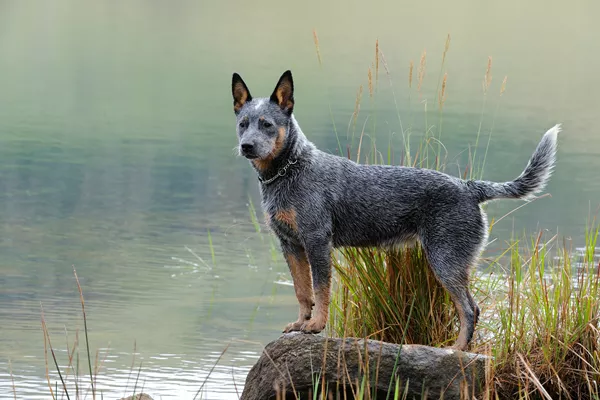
(116,138)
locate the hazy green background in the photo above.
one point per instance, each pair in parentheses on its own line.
(116,152)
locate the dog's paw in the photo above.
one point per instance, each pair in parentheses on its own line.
(293,327)
(313,325)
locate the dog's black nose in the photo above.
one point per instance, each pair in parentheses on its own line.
(247,147)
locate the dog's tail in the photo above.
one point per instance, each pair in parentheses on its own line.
(532,179)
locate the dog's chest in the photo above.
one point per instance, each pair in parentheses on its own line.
(282,219)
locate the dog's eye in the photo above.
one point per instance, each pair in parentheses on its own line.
(267,124)
(244,124)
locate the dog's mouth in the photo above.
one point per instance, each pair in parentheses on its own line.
(250,155)
(250,152)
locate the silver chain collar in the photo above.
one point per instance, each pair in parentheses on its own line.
(279,173)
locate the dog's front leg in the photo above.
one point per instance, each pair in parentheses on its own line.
(318,249)
(297,261)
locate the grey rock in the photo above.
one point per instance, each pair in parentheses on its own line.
(295,361)
(141,396)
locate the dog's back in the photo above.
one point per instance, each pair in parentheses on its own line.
(372,205)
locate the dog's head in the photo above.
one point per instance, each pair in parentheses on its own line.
(262,123)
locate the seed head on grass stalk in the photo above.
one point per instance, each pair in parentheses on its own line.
(503,86)
(446,47)
(441,101)
(355,114)
(421,70)
(420,78)
(370,80)
(316,40)
(442,96)
(487,81)
(376,88)
(376,61)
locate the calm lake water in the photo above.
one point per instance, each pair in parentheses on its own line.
(116,138)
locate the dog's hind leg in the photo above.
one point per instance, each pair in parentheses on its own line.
(451,265)
(468,313)
(300,270)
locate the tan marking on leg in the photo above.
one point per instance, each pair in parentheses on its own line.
(300,270)
(287,217)
(461,341)
(321,315)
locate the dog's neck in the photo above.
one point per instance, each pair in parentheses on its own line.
(294,146)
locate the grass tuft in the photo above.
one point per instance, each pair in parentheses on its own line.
(378,298)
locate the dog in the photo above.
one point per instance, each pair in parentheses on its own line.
(315,201)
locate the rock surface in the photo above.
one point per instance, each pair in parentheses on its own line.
(295,361)
(141,396)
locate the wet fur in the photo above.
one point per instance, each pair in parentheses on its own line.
(325,201)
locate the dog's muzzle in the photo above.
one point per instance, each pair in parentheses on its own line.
(248,151)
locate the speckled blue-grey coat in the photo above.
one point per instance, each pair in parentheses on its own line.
(314,201)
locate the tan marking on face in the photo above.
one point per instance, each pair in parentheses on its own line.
(279,141)
(240,94)
(264,163)
(287,217)
(300,270)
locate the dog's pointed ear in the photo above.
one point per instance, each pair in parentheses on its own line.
(240,92)
(283,94)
